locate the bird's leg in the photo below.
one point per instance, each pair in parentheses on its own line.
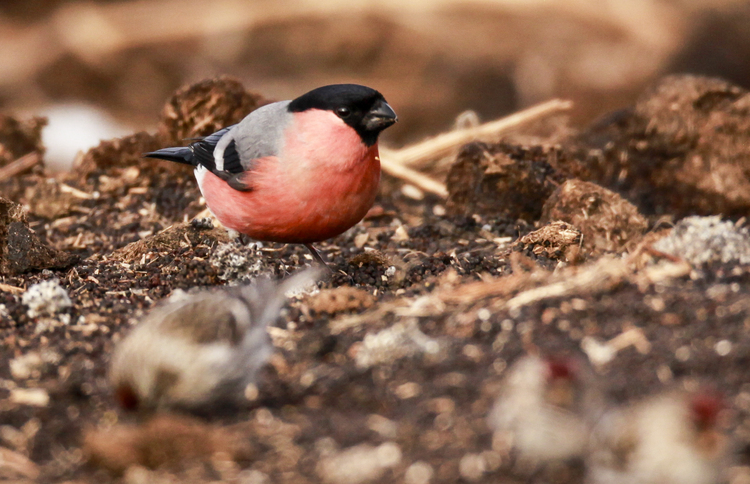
(317,256)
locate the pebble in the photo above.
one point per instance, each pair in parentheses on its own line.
(34,397)
(472,467)
(23,367)
(359,464)
(723,347)
(253,477)
(419,473)
(412,192)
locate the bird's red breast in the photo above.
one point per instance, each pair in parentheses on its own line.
(321,184)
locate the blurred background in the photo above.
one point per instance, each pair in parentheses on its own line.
(106,68)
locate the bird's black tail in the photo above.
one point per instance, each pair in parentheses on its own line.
(179,155)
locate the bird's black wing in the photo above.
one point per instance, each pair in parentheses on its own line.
(203,151)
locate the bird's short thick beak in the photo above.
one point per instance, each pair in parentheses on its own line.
(380,117)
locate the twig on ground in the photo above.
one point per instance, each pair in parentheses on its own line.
(11,289)
(444,144)
(397,162)
(26,162)
(419,180)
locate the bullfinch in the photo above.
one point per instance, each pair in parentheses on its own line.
(668,438)
(200,350)
(298,171)
(547,407)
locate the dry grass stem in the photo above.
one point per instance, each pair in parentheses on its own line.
(444,144)
(26,162)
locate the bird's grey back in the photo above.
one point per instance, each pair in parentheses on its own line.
(206,317)
(261,133)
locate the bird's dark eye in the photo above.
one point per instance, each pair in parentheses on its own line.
(343,112)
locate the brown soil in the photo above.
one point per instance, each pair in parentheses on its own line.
(485,284)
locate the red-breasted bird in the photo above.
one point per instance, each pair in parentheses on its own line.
(547,407)
(298,171)
(669,438)
(202,349)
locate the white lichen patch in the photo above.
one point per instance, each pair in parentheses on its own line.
(46,299)
(236,262)
(398,341)
(701,240)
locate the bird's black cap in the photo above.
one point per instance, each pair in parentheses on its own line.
(361,107)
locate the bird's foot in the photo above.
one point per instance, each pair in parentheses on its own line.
(316,255)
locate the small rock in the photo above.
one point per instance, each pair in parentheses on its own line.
(400,234)
(361,239)
(412,192)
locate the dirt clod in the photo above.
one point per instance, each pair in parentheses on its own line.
(170,239)
(340,299)
(21,250)
(500,180)
(206,107)
(169,441)
(18,138)
(682,149)
(607,221)
(396,363)
(551,241)
(117,155)
(51,199)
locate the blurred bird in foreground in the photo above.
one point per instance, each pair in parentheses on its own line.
(298,171)
(669,438)
(202,349)
(547,408)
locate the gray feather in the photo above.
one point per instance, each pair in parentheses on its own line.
(261,133)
